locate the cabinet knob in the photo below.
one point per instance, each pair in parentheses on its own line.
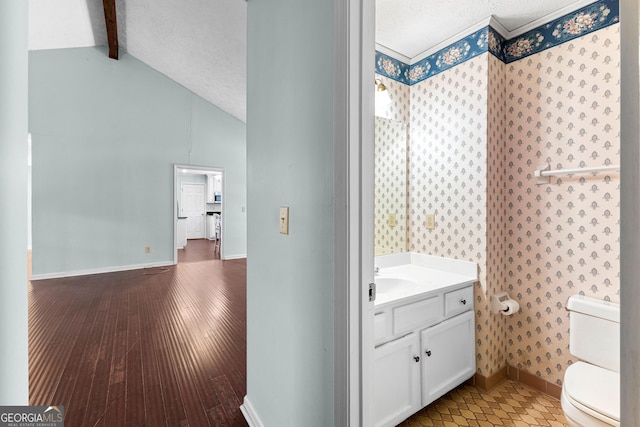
(428,353)
(463,301)
(416,358)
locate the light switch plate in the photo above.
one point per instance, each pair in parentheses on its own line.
(392,220)
(430,221)
(284,220)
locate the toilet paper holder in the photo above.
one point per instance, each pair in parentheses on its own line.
(497,302)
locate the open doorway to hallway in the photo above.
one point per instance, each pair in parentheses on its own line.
(198,213)
(199,250)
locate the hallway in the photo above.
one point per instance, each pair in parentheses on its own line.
(162,346)
(198,250)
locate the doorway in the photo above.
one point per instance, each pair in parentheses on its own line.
(198,212)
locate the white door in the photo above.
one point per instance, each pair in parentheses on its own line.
(192,207)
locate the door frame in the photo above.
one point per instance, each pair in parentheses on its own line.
(176,168)
(629,212)
(354,74)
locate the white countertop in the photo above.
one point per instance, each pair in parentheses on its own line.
(428,274)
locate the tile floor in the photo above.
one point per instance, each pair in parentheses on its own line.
(510,404)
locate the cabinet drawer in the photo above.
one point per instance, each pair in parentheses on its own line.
(410,316)
(458,301)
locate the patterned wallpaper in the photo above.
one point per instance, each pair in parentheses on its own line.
(447,157)
(563,238)
(477,131)
(390,186)
(448,161)
(496,216)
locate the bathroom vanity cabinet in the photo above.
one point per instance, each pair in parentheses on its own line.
(424,348)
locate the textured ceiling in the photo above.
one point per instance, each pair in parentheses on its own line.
(411,27)
(202,44)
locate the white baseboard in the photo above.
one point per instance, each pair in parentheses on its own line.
(250,414)
(239,256)
(99,270)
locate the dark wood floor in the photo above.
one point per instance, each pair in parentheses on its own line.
(198,250)
(142,348)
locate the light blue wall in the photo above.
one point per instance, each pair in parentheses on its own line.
(205,123)
(105,137)
(14,380)
(290,163)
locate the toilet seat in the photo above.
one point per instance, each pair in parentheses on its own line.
(594,391)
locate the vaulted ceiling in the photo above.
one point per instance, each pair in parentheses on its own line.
(202,44)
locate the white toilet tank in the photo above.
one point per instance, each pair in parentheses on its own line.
(594,334)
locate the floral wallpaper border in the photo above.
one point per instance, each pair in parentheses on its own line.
(469,47)
(496,44)
(464,49)
(392,68)
(583,21)
(572,25)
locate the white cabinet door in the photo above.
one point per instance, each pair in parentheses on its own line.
(396,380)
(447,352)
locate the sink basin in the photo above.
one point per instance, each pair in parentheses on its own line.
(394,285)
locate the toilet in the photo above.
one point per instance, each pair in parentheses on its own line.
(591,387)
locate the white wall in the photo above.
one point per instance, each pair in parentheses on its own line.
(290,163)
(14,380)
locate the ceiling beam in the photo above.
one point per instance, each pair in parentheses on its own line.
(112,27)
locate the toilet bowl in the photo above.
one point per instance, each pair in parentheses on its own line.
(591,387)
(591,396)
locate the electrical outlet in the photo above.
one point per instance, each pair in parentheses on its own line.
(430,221)
(392,220)
(284,220)
(147,249)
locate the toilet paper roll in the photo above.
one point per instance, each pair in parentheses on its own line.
(512,307)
